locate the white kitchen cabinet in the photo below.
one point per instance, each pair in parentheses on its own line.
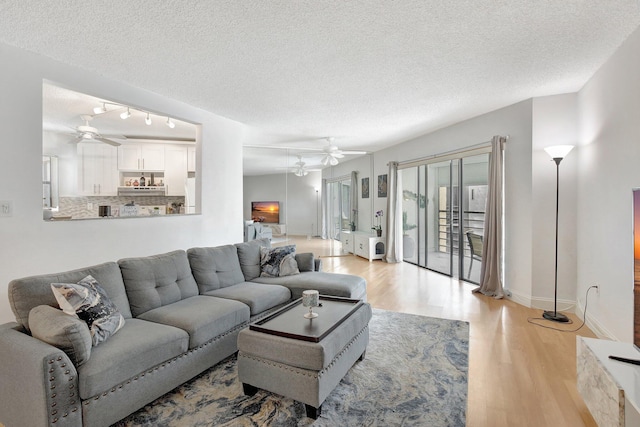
(141,157)
(97,169)
(369,246)
(191,158)
(175,173)
(346,237)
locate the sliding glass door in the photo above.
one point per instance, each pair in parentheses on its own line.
(441,219)
(339,199)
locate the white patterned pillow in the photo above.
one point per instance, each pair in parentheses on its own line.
(281,261)
(89,302)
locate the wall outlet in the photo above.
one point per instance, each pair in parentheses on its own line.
(6,208)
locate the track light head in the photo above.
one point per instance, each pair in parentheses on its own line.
(170,123)
(100,110)
(148,120)
(125,114)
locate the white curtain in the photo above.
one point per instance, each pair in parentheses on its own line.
(324,208)
(491,272)
(353,198)
(394,215)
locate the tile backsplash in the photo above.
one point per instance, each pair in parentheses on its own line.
(78,207)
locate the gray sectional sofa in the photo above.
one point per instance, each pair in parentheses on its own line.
(183,311)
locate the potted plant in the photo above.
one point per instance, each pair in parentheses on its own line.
(378,226)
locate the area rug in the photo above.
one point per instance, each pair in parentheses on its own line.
(414,374)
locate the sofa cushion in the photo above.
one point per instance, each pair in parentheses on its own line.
(280,261)
(249,257)
(305,261)
(259,297)
(89,302)
(202,317)
(157,280)
(339,285)
(215,268)
(30,292)
(68,333)
(135,349)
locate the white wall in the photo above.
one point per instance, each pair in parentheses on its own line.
(609,155)
(32,246)
(555,122)
(299,202)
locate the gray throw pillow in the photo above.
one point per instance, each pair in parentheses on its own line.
(89,302)
(68,333)
(279,261)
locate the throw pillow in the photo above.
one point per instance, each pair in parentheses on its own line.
(68,333)
(281,261)
(89,302)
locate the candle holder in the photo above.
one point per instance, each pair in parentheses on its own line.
(310,299)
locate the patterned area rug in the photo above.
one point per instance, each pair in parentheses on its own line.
(414,374)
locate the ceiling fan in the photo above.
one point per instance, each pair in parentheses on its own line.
(89,133)
(300,168)
(331,153)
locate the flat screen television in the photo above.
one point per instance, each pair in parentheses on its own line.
(268,212)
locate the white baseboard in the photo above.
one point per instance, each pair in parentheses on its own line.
(596,327)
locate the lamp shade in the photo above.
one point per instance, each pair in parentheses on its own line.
(558,151)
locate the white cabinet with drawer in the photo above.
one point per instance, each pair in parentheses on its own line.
(346,237)
(369,246)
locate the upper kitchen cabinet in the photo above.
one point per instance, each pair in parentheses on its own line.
(97,169)
(141,157)
(191,159)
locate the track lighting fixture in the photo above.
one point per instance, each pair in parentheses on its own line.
(126,112)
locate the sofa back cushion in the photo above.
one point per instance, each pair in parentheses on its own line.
(215,268)
(249,257)
(157,280)
(30,292)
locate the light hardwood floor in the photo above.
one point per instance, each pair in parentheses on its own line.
(519,374)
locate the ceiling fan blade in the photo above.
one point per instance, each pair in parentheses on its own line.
(107,141)
(109,135)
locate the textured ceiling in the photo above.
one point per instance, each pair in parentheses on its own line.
(369,73)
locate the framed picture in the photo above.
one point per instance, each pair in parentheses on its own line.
(382,185)
(365,188)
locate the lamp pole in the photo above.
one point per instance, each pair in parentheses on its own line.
(557,153)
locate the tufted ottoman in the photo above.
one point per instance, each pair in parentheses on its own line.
(304,359)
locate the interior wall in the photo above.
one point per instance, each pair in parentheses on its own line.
(33,246)
(555,122)
(609,112)
(299,202)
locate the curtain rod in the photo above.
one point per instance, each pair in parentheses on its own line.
(448,153)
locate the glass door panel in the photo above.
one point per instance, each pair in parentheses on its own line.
(475,180)
(410,214)
(439,217)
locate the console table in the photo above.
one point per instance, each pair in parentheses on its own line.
(610,389)
(364,244)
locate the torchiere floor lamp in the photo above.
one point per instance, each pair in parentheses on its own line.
(557,153)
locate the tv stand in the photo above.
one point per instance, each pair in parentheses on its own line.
(609,388)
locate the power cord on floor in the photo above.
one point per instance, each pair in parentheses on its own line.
(584,317)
